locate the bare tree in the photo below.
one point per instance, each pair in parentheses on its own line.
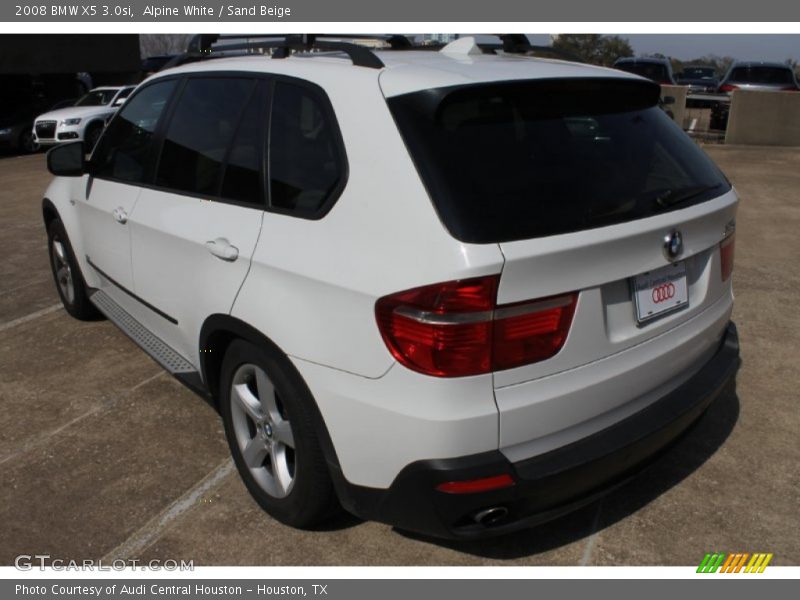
(152,44)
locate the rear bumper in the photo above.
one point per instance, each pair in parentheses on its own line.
(548,485)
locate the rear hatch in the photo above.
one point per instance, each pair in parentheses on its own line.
(760,77)
(584,184)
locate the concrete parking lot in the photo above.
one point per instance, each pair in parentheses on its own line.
(103,455)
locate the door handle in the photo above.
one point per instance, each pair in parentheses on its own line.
(222,248)
(120,216)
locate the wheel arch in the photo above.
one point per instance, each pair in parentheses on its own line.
(216,334)
(49,212)
(95,122)
(56,204)
(26,130)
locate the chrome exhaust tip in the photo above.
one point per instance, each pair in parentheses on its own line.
(490,516)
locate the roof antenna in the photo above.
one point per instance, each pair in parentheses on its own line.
(465,46)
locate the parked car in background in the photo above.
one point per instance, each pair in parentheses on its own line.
(15,127)
(21,99)
(82,121)
(767,76)
(700,79)
(653,68)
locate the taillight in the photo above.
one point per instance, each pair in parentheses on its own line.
(728,87)
(456,328)
(726,249)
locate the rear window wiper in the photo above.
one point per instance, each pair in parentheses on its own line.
(673,197)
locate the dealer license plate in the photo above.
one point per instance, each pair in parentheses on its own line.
(660,291)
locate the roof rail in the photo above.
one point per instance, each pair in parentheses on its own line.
(361,56)
(200,47)
(518,43)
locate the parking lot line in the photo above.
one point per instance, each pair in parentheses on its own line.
(42,440)
(590,542)
(152,530)
(22,287)
(30,317)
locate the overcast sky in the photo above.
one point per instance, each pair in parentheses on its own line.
(776,47)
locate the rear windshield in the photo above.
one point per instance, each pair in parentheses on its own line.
(698,73)
(654,71)
(530,159)
(761,75)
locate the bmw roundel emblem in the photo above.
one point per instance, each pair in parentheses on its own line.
(673,245)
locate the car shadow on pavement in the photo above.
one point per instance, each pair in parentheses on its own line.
(687,454)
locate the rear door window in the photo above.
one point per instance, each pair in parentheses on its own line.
(522,160)
(242,180)
(200,130)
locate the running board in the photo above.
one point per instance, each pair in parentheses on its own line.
(158,350)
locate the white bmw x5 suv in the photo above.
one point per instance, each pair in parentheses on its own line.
(459,291)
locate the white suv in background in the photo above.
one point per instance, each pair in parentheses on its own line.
(459,291)
(83,121)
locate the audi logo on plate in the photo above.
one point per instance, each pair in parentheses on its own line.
(663,292)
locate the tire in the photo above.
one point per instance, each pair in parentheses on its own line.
(27,143)
(92,136)
(266,409)
(67,274)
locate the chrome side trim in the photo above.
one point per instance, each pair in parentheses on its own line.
(531,307)
(427,317)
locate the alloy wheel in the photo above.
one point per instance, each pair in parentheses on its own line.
(263,432)
(62,270)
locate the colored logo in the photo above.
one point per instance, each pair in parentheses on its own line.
(673,244)
(663,292)
(738,562)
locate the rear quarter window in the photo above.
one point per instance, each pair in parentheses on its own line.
(307,166)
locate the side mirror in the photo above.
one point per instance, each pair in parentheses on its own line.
(67,160)
(118,102)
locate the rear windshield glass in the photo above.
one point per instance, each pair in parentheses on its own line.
(761,75)
(655,71)
(698,73)
(530,159)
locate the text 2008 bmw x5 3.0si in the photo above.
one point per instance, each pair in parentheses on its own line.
(461,291)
